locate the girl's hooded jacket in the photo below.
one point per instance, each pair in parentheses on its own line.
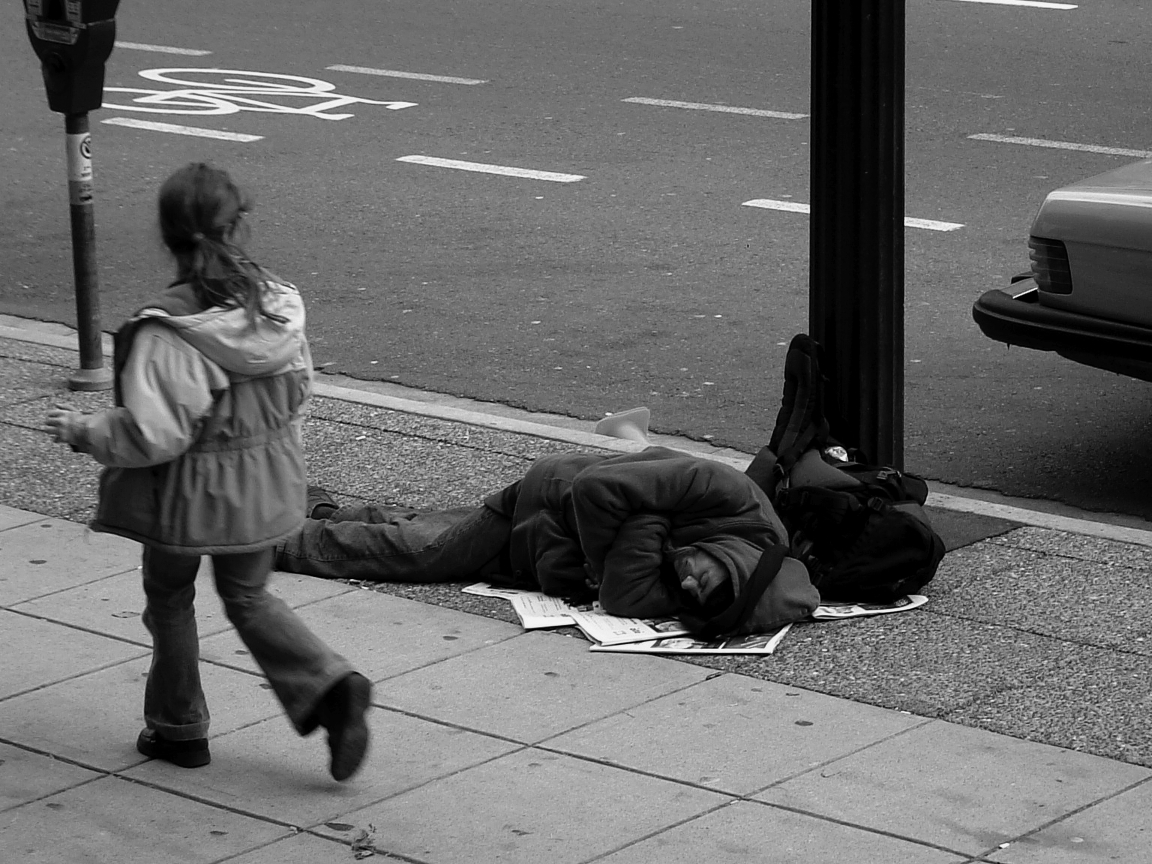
(612,518)
(203,450)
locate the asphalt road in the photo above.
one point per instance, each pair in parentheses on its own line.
(645,282)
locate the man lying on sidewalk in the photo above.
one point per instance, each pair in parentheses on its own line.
(652,534)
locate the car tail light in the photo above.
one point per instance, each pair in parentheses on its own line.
(1050,265)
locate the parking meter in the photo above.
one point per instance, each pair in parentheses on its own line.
(72,38)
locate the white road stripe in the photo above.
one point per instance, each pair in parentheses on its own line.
(773,204)
(931,224)
(796,207)
(1036,3)
(196,131)
(492,169)
(163,49)
(703,106)
(1063,145)
(415,76)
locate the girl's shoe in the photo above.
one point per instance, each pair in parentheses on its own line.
(342,713)
(186,754)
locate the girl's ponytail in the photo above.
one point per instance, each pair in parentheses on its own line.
(201,220)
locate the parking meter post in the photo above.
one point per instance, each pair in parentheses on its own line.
(856,245)
(92,374)
(73,39)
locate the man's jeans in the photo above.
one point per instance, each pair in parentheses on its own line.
(397,544)
(298,665)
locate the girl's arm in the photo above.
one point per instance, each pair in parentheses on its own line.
(167,388)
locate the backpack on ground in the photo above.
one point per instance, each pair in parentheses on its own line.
(871,543)
(860,529)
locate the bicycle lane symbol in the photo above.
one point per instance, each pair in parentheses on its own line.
(229,91)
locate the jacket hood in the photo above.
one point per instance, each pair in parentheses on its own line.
(789,597)
(253,349)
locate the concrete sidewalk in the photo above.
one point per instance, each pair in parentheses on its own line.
(1009,720)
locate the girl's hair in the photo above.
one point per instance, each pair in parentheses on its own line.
(201,220)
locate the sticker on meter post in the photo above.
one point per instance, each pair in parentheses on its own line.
(79,168)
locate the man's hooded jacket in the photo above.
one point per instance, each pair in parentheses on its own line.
(611,519)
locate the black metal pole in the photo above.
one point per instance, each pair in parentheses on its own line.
(92,374)
(856,263)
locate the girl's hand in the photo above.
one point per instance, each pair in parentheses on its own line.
(64,425)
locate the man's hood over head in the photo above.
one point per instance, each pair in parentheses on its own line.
(789,597)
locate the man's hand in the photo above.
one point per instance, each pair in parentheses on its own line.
(590,577)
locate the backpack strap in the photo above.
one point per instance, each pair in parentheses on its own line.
(744,606)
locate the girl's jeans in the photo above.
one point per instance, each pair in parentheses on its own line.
(396,544)
(299,666)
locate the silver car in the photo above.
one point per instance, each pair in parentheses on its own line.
(1088,296)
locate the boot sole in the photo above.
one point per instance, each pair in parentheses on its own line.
(166,751)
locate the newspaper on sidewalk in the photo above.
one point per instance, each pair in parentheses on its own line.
(758,643)
(763,643)
(537,610)
(836,611)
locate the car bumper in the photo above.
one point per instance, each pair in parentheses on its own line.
(1018,318)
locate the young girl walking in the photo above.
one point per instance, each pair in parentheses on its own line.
(203,456)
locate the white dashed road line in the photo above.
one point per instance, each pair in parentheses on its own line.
(773,204)
(482,168)
(162,49)
(415,76)
(931,224)
(725,109)
(1034,3)
(796,207)
(1063,145)
(195,131)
